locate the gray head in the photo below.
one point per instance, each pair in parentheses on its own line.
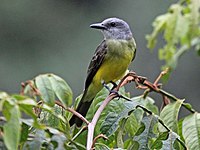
(114,28)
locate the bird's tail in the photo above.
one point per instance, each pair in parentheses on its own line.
(82,109)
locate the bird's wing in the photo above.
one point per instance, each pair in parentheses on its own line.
(96,62)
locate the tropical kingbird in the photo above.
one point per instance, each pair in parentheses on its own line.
(109,62)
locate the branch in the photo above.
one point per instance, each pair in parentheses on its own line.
(142,83)
(30,83)
(126,79)
(78,115)
(92,124)
(73,112)
(97,137)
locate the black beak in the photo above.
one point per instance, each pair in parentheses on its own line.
(98,26)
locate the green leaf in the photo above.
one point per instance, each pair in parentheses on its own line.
(12,129)
(149,103)
(110,125)
(75,146)
(134,119)
(3,95)
(50,85)
(36,143)
(195,6)
(100,146)
(146,132)
(58,139)
(158,25)
(180,25)
(189,106)
(120,134)
(169,143)
(27,105)
(7,106)
(24,132)
(191,131)
(28,109)
(61,89)
(169,115)
(177,25)
(158,142)
(128,143)
(51,119)
(44,85)
(180,125)
(132,125)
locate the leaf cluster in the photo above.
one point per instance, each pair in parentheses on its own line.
(38,121)
(180,28)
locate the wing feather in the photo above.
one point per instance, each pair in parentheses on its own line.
(96,62)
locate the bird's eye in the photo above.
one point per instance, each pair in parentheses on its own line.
(112,24)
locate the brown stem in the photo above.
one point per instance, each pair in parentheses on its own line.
(92,124)
(29,82)
(78,115)
(126,79)
(164,72)
(23,85)
(97,137)
(73,112)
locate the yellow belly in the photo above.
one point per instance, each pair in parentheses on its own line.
(111,70)
(115,63)
(113,67)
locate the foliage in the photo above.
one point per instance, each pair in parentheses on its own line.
(34,123)
(38,117)
(180,27)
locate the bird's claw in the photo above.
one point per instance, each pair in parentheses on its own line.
(107,87)
(114,85)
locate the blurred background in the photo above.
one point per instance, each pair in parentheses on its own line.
(52,36)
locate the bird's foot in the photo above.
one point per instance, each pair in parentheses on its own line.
(114,85)
(105,85)
(112,90)
(115,92)
(119,95)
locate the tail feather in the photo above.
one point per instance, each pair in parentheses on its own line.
(82,109)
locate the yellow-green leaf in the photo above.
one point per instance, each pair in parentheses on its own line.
(191,131)
(44,85)
(12,129)
(169,115)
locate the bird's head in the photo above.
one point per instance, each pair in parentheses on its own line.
(114,28)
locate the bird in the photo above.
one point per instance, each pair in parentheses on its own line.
(109,62)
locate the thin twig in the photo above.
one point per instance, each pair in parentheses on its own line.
(164,72)
(163,124)
(30,83)
(79,132)
(73,112)
(78,115)
(97,137)
(145,109)
(23,85)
